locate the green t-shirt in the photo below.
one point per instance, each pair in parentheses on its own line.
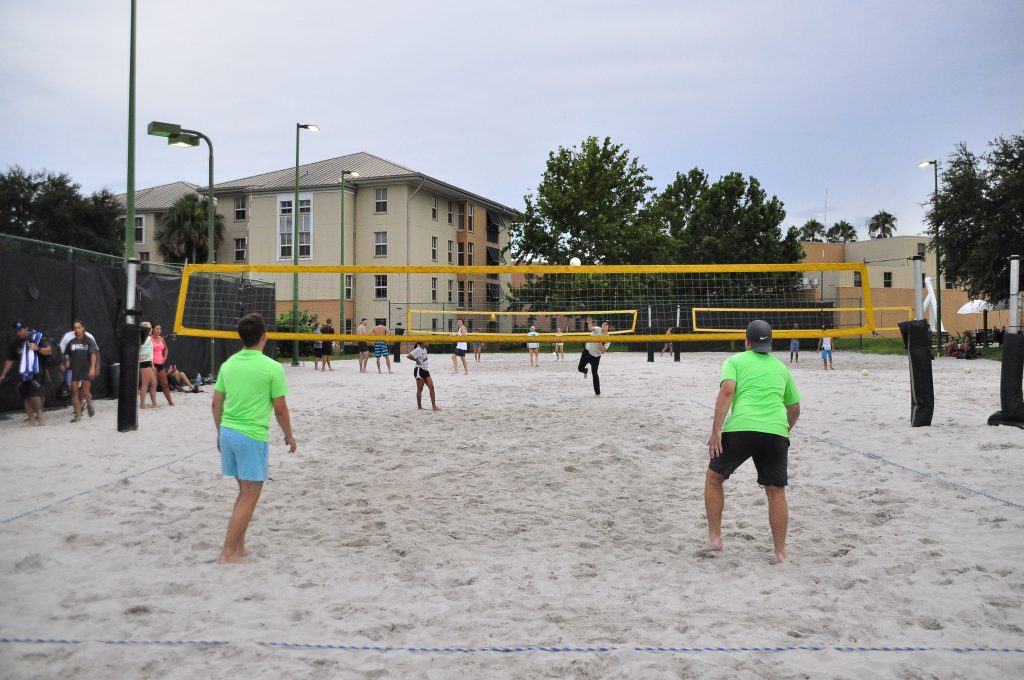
(250,381)
(764,388)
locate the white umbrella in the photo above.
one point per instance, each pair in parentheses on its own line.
(975,307)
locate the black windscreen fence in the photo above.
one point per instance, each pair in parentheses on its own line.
(49,295)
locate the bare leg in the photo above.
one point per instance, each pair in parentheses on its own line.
(419,394)
(388,359)
(245,505)
(433,396)
(778,519)
(378,365)
(87,397)
(161,377)
(714,502)
(455,364)
(465,366)
(76,401)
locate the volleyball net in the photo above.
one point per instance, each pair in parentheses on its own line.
(650,303)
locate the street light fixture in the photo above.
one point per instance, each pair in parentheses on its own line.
(312,127)
(341,255)
(181,137)
(938,265)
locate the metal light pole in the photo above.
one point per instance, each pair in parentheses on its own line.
(128,382)
(938,261)
(182,137)
(312,127)
(341,253)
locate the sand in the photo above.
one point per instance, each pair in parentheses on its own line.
(527,513)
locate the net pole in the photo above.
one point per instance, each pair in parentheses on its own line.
(650,331)
(679,321)
(1014,292)
(918,302)
(128,381)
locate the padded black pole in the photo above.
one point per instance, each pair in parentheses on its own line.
(650,347)
(917,341)
(128,382)
(1011,392)
(676,346)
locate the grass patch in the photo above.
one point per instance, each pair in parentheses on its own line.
(895,346)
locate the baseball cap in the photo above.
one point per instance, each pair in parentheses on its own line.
(18,325)
(759,334)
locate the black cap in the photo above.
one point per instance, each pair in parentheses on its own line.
(18,325)
(759,335)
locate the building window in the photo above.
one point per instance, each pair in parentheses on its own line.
(451,325)
(348,326)
(469,220)
(857,283)
(144,256)
(433,208)
(284,230)
(433,289)
(451,217)
(380,198)
(449,290)
(380,286)
(886,279)
(239,250)
(348,286)
(469,294)
(462,216)
(462,254)
(433,324)
(946,283)
(462,293)
(305,229)
(140,229)
(921,247)
(380,322)
(239,207)
(433,248)
(380,244)
(451,256)
(469,254)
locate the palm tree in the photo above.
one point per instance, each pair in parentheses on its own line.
(882,225)
(813,231)
(841,232)
(183,231)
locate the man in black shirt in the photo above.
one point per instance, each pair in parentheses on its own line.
(30,388)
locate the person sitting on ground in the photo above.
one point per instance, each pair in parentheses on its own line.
(949,349)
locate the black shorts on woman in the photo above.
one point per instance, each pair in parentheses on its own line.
(769,451)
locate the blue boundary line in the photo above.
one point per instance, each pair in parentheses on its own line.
(881,459)
(513,649)
(104,484)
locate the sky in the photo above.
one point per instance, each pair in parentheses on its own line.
(811,97)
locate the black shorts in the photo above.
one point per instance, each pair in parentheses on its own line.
(328,348)
(769,451)
(460,352)
(30,388)
(318,351)
(76,378)
(145,364)
(420,373)
(160,368)
(362,347)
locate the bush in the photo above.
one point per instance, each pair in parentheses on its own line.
(284,324)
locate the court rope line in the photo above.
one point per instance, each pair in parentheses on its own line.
(105,484)
(512,649)
(887,461)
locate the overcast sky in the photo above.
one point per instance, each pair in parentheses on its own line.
(804,94)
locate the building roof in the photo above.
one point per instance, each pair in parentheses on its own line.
(158,199)
(326,174)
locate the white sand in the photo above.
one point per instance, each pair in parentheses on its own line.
(528,512)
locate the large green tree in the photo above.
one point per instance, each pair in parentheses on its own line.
(184,229)
(729,221)
(978,219)
(588,205)
(51,207)
(882,225)
(812,231)
(841,232)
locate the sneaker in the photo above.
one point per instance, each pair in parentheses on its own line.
(90,409)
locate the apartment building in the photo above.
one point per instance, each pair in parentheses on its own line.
(150,206)
(393,216)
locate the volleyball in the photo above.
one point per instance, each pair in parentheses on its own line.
(865,372)
(575,262)
(967,370)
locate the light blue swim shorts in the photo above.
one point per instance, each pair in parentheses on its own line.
(243,457)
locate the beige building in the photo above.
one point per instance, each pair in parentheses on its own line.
(393,216)
(891,277)
(150,206)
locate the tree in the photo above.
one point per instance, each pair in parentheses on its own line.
(841,232)
(588,205)
(729,221)
(882,225)
(183,232)
(50,207)
(979,215)
(813,231)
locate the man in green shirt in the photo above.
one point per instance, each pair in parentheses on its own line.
(765,405)
(249,386)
